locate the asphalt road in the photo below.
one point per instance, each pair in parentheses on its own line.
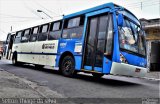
(85,86)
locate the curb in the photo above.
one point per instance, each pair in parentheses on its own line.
(44,91)
(151,78)
(1,69)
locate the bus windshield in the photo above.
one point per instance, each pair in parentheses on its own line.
(132,38)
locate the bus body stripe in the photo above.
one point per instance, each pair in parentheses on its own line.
(38,53)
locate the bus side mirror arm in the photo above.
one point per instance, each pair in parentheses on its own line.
(120,20)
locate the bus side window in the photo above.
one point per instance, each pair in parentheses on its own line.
(18,37)
(55,31)
(43,32)
(25,36)
(73,28)
(34,33)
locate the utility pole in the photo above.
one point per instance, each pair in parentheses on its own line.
(141,5)
(11,28)
(159,7)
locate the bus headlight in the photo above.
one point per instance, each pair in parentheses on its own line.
(123,59)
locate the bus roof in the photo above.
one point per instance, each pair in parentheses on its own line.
(109,5)
(37,23)
(126,10)
(106,5)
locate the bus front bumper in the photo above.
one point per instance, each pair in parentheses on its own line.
(128,70)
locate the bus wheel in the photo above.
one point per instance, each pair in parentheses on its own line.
(14,61)
(67,66)
(97,75)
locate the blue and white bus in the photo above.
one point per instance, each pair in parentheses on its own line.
(105,39)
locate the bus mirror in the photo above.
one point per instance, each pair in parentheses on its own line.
(120,20)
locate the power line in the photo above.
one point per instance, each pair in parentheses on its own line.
(24,20)
(31,10)
(14,21)
(144,3)
(133,5)
(141,4)
(152,4)
(138,3)
(13,16)
(45,7)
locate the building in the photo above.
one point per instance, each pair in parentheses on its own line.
(152,30)
(1,48)
(1,43)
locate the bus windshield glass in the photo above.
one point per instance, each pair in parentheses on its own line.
(132,38)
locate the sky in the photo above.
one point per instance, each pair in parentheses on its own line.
(23,13)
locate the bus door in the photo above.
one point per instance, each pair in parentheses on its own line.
(8,46)
(95,42)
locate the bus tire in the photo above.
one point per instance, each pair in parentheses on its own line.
(14,60)
(67,66)
(97,75)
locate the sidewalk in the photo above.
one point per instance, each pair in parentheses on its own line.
(12,86)
(154,75)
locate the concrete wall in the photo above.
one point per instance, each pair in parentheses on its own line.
(152,30)
(149,47)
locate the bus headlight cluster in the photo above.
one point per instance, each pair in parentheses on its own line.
(123,59)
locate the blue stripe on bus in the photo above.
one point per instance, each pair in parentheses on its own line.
(88,67)
(38,53)
(99,69)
